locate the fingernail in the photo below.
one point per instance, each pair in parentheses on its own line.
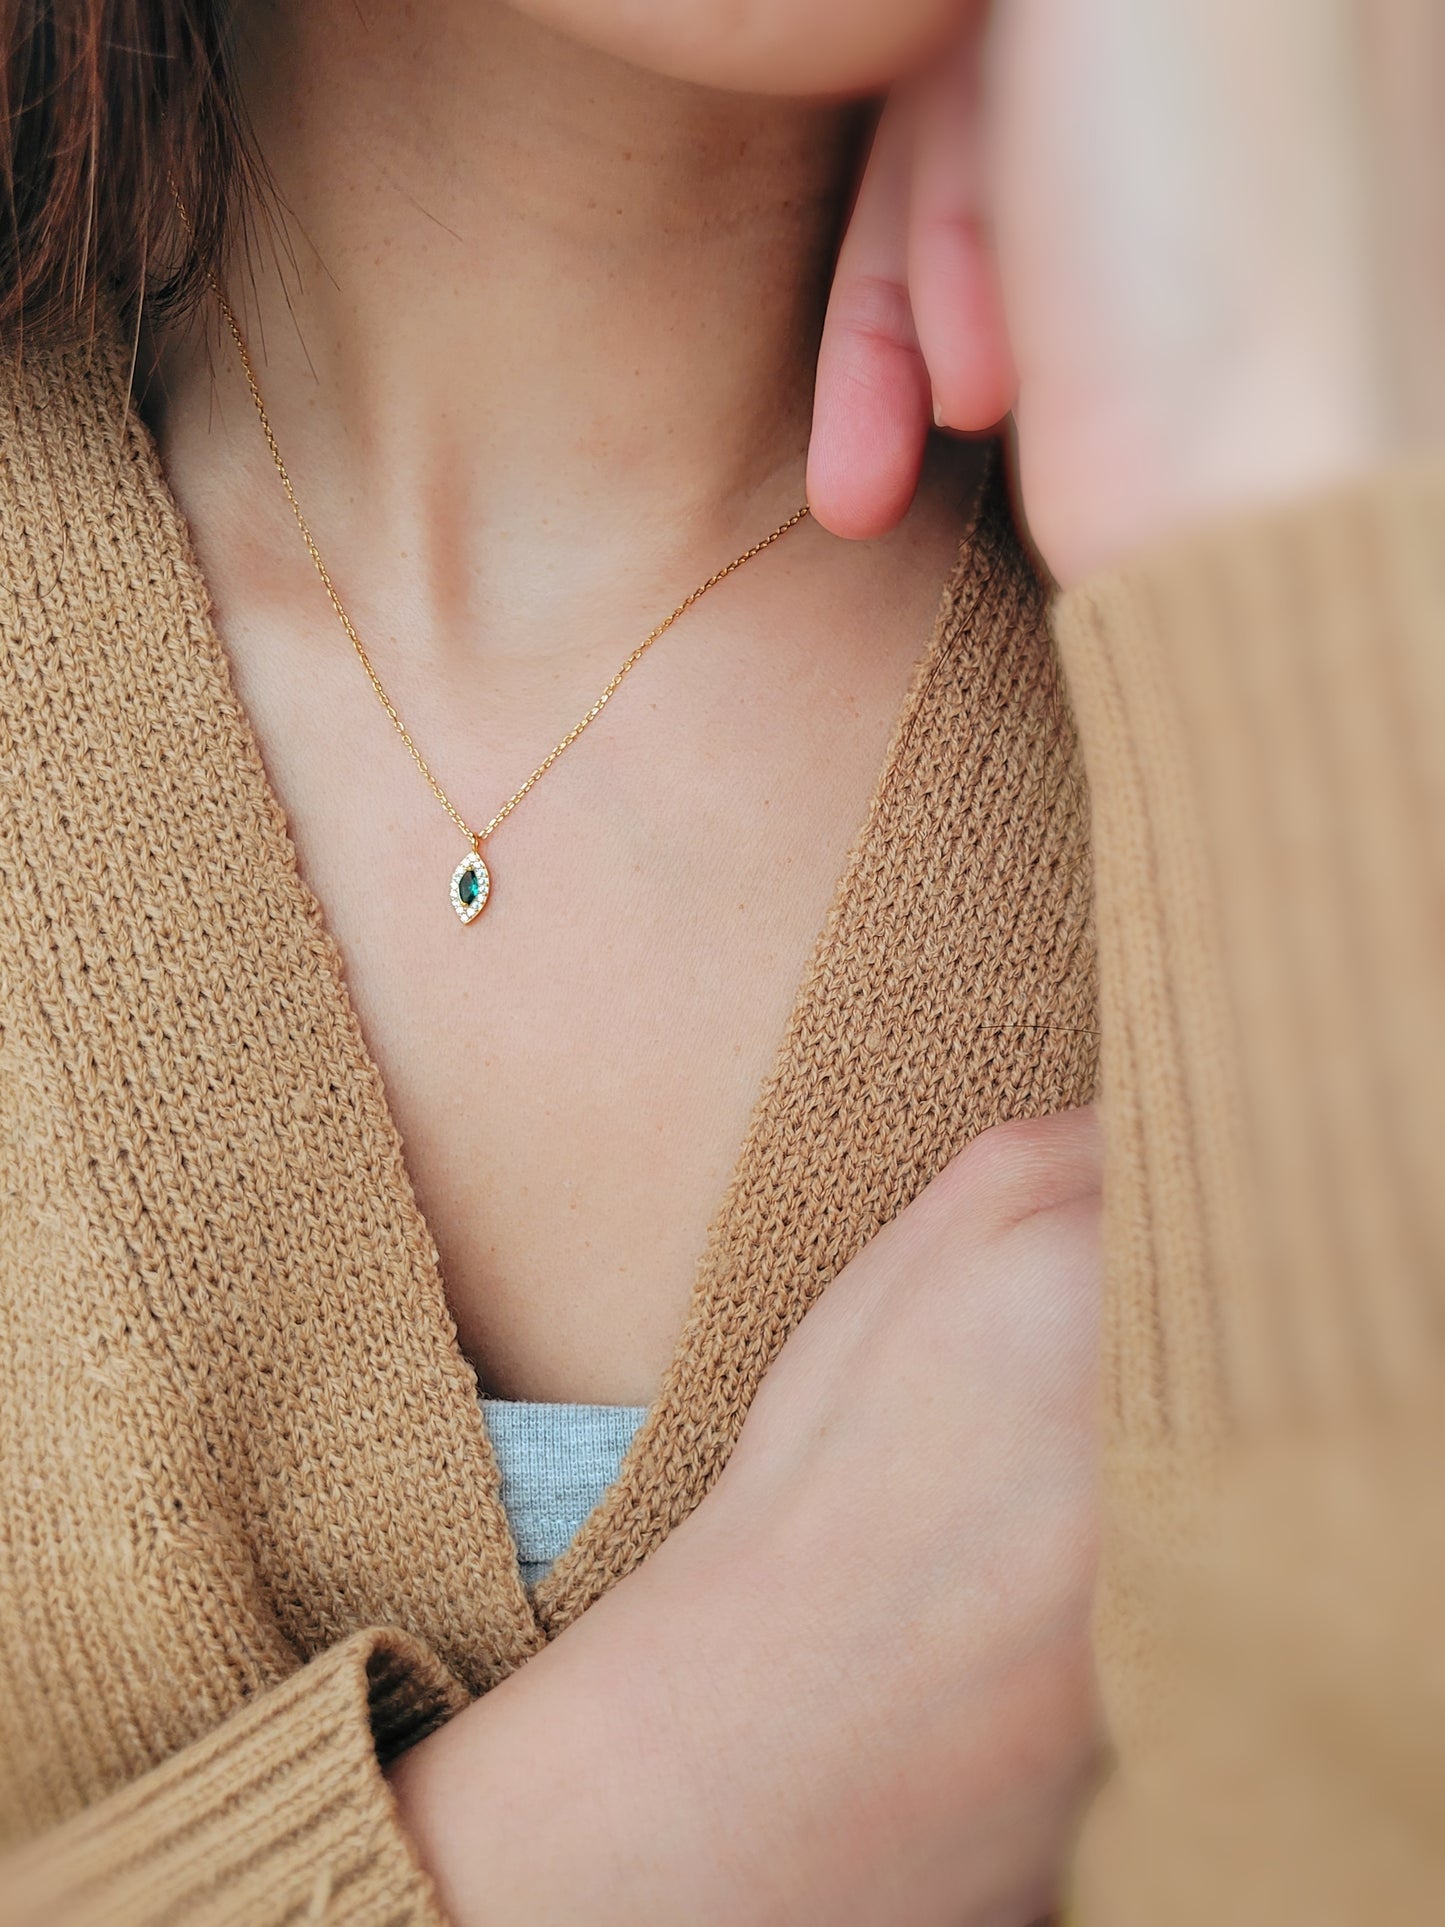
(938,421)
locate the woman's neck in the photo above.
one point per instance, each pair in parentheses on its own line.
(530,292)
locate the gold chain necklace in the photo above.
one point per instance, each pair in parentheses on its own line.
(472,879)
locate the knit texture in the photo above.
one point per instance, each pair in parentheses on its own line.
(1262,707)
(238,1441)
(277,1814)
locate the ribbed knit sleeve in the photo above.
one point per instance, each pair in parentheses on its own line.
(1262,709)
(279,1815)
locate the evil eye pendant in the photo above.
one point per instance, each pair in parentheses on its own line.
(471,886)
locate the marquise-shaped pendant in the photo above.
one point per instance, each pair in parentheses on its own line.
(471,886)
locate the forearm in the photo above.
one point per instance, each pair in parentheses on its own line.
(657,1762)
(680,1754)
(592,1782)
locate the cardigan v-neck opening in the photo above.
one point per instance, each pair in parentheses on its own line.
(578,1573)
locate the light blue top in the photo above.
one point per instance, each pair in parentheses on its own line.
(556,1462)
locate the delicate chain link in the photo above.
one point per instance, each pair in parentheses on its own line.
(475,837)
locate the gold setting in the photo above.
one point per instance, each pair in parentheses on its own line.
(472,865)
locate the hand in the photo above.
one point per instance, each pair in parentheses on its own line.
(854,1686)
(1196,248)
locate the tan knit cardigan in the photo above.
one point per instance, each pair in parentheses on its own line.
(251,1541)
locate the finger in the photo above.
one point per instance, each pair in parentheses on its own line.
(952,275)
(1026,1166)
(871,407)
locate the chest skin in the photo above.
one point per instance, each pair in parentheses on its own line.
(573,1073)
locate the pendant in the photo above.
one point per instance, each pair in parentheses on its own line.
(471,886)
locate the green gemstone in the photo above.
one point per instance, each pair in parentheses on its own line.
(469,889)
